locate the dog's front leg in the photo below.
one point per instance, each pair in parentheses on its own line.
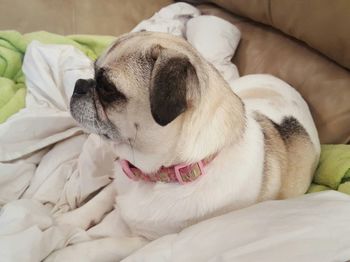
(100,250)
(93,211)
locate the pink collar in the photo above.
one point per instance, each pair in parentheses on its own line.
(175,174)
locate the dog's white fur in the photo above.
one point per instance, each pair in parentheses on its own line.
(234,179)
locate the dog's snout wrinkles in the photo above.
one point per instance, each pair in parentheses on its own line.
(82,86)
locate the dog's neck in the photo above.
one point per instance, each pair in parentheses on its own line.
(217,122)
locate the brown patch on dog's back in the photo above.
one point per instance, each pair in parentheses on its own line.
(290,158)
(301,158)
(290,127)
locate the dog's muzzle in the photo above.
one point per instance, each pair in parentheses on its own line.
(87,110)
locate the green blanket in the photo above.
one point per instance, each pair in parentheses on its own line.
(333,171)
(12,48)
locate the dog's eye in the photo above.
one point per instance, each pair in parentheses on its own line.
(107,91)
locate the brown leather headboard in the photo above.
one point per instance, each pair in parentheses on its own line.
(322,24)
(324,84)
(100,17)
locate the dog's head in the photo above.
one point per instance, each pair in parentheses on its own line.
(144,86)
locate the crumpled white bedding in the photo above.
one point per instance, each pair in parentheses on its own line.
(311,228)
(48,166)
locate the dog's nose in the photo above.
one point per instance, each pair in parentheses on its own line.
(82,86)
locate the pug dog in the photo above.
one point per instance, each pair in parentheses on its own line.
(189,147)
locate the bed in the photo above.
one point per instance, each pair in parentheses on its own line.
(49,166)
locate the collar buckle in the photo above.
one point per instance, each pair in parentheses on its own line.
(193,171)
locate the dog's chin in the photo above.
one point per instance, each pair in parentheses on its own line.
(100,129)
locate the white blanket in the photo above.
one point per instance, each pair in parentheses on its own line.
(311,228)
(48,165)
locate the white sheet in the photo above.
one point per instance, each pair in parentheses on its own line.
(310,228)
(49,166)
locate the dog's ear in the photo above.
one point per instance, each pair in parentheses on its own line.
(172,76)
